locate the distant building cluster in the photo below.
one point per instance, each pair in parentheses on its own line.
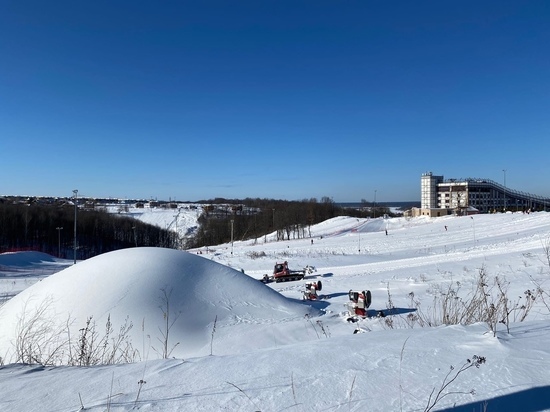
(92,203)
(440,197)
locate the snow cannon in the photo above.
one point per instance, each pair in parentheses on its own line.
(311,290)
(359,302)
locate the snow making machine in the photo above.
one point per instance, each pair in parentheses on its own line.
(359,302)
(311,290)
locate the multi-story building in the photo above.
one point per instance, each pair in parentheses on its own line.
(439,196)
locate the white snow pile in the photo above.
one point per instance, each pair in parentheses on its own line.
(149,287)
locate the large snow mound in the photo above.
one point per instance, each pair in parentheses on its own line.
(154,289)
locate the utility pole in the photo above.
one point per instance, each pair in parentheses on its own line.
(75,192)
(59,229)
(504,170)
(374,211)
(232,236)
(177,233)
(359,233)
(474,229)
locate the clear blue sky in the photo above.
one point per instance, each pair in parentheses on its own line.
(281,99)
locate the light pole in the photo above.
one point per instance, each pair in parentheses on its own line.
(359,233)
(75,192)
(177,233)
(374,211)
(504,170)
(232,236)
(474,229)
(59,229)
(27,222)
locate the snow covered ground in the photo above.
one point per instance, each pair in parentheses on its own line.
(236,344)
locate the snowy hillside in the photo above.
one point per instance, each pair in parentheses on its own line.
(183,220)
(272,351)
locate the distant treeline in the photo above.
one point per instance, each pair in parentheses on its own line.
(50,229)
(225,219)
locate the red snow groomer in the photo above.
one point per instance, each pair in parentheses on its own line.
(281,273)
(311,290)
(359,302)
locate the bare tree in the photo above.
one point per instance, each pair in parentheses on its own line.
(168,322)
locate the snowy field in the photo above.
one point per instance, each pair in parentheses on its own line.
(235,344)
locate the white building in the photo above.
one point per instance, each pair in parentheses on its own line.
(439,197)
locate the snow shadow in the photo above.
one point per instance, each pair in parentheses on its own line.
(335,295)
(374,313)
(316,304)
(14,272)
(25,258)
(389,312)
(320,275)
(4,297)
(529,400)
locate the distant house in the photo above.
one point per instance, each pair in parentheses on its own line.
(89,205)
(417,211)
(434,212)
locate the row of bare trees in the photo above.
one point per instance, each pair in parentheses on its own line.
(225,219)
(50,229)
